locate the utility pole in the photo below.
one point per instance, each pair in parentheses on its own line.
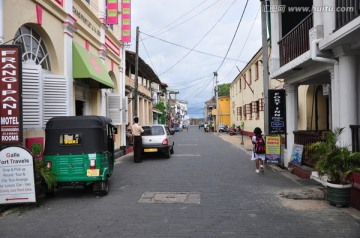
(265,65)
(217,102)
(136,73)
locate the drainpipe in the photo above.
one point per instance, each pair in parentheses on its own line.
(314,49)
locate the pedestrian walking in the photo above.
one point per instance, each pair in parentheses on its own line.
(259,149)
(136,131)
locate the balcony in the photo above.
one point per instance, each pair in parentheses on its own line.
(296,42)
(351,11)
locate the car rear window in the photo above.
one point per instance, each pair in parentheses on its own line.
(153,130)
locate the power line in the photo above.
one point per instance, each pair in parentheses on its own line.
(166,30)
(232,41)
(247,38)
(201,52)
(147,54)
(200,40)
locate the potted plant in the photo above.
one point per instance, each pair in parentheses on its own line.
(336,162)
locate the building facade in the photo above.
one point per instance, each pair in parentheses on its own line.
(316,52)
(247,95)
(71,61)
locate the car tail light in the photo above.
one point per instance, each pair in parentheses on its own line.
(165,142)
(48,165)
(92,164)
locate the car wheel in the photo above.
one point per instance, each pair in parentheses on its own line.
(167,153)
(172,149)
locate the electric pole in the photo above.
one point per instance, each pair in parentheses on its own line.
(265,65)
(217,102)
(136,73)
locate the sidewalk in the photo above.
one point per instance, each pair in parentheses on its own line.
(312,190)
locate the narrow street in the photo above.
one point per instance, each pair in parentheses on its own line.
(208,188)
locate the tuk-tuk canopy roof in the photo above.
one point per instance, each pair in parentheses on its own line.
(78,122)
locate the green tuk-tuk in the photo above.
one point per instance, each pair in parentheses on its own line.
(80,151)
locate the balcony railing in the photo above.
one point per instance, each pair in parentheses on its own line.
(296,42)
(355,137)
(307,137)
(348,11)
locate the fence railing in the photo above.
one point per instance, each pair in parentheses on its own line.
(348,11)
(296,42)
(355,137)
(307,137)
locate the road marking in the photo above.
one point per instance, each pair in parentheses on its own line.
(186,144)
(186,155)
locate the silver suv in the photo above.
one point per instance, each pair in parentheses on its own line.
(158,139)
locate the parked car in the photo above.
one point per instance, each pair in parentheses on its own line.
(158,139)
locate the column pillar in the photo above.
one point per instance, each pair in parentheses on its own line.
(69,30)
(347,91)
(291,120)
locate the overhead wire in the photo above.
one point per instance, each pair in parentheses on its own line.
(232,41)
(246,41)
(147,53)
(200,39)
(201,52)
(177,19)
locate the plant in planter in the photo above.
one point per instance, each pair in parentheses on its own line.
(47,176)
(337,163)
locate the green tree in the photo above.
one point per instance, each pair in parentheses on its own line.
(161,106)
(224,89)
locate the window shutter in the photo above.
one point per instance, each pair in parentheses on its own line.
(55,96)
(125,107)
(114,108)
(32,96)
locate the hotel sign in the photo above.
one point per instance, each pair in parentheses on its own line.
(277,111)
(10,95)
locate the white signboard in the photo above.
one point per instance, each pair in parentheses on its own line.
(16,176)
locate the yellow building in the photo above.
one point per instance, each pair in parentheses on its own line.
(224,110)
(71,61)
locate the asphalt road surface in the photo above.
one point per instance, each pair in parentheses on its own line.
(208,188)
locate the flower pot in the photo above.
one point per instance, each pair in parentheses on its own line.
(338,194)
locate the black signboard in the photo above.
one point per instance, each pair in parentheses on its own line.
(277,111)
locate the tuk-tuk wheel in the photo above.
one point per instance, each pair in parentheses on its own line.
(49,192)
(102,187)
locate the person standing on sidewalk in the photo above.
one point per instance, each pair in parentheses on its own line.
(259,148)
(136,131)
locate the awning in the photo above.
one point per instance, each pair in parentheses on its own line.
(87,65)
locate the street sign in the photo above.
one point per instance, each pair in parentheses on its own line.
(17,183)
(277,111)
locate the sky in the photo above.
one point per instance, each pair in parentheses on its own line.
(186,41)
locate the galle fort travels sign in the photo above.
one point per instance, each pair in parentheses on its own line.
(10,95)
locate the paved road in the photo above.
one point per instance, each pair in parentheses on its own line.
(208,188)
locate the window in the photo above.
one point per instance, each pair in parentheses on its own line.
(240,84)
(261,104)
(255,109)
(248,110)
(249,73)
(256,71)
(238,110)
(33,47)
